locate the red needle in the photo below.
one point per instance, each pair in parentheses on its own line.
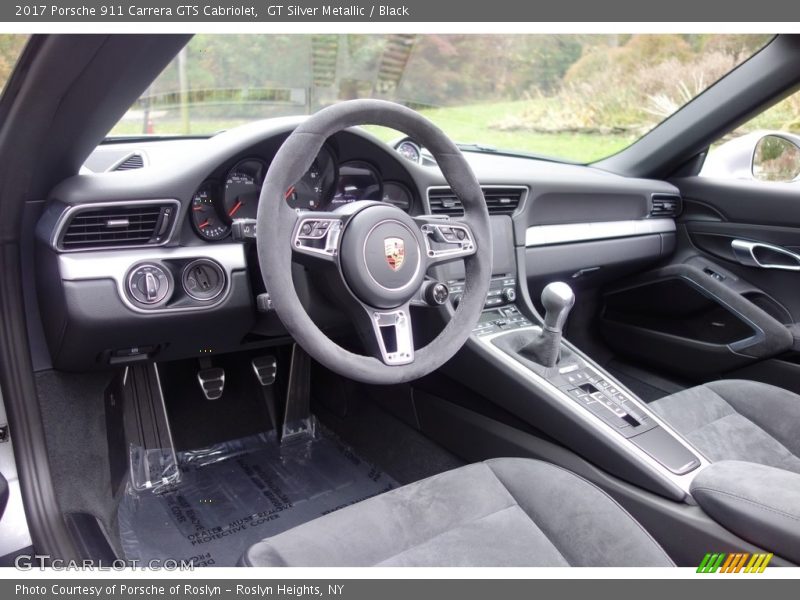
(236,207)
(204,224)
(198,209)
(289,192)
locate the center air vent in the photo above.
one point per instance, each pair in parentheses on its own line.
(499,201)
(134,161)
(666,205)
(118,226)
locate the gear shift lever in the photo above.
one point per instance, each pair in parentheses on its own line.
(557,299)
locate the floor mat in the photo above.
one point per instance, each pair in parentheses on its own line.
(234,494)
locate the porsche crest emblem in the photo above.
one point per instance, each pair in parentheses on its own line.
(395,252)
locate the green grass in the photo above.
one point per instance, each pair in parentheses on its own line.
(466,124)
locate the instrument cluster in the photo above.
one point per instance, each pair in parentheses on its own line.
(326,185)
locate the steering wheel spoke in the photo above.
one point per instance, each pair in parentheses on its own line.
(318,235)
(391,334)
(446,240)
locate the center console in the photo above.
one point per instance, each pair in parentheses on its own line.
(552,380)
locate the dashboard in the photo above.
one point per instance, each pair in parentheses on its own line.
(135,257)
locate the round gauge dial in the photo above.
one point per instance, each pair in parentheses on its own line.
(205,218)
(397,194)
(242,189)
(358,180)
(315,188)
(409,150)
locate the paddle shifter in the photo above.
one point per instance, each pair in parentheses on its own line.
(557,299)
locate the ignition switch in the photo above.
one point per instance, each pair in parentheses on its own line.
(436,293)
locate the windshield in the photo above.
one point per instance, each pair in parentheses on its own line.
(572,97)
(11,46)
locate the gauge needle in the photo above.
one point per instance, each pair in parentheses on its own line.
(235,208)
(204,224)
(198,209)
(289,192)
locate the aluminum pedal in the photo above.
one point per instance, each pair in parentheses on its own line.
(265,368)
(212,382)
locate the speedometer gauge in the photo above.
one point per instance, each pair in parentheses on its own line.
(205,218)
(242,189)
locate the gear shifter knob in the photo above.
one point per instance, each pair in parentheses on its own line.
(557,299)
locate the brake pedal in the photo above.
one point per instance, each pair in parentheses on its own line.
(212,382)
(265,368)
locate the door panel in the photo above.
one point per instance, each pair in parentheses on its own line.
(722,220)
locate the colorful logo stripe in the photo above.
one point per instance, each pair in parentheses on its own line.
(734,563)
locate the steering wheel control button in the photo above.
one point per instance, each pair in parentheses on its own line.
(443,241)
(318,236)
(203,279)
(149,284)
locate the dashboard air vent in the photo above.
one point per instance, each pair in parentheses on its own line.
(118,226)
(134,161)
(499,201)
(666,205)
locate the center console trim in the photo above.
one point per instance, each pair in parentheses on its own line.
(682,482)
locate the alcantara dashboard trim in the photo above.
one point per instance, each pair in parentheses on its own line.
(547,235)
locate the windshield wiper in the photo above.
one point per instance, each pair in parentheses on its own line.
(473,147)
(123,139)
(478,148)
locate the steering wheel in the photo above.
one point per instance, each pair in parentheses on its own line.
(376,253)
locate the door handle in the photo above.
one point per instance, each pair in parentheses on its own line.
(765,256)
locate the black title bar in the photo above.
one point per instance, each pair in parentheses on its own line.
(409,11)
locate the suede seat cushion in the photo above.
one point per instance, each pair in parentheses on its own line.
(502,512)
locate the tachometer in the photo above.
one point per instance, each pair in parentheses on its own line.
(205,218)
(316,187)
(242,189)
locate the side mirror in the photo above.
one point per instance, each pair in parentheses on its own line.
(776,159)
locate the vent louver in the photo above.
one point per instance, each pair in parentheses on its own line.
(113,227)
(134,161)
(666,205)
(499,201)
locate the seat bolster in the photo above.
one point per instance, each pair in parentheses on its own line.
(586,525)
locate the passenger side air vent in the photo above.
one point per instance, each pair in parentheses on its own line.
(134,161)
(499,201)
(666,205)
(118,226)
